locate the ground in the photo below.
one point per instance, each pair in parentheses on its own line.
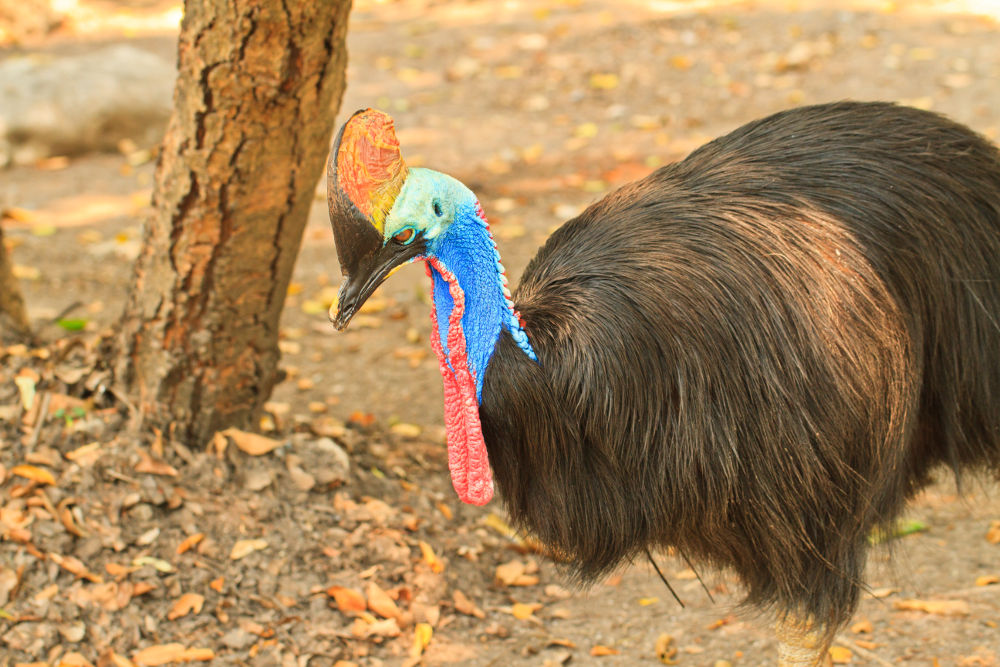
(115,545)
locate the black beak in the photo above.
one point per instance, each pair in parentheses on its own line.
(364,261)
(368,274)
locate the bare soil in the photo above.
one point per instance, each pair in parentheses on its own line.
(540,108)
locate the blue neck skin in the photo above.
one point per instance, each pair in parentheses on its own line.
(467,249)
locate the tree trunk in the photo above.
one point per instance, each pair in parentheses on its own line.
(12,313)
(258,88)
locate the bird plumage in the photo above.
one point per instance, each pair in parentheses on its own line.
(756,355)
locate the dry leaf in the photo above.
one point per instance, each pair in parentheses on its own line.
(600,650)
(163,654)
(189,541)
(604,81)
(405,430)
(348,600)
(153,466)
(523,612)
(86,455)
(112,659)
(157,564)
(34,473)
(665,649)
(422,634)
(74,659)
(993,534)
(252,443)
(186,604)
(380,602)
(26,380)
(430,558)
(244,548)
(141,588)
(75,566)
(840,655)
(936,607)
(645,602)
(217,584)
(863,626)
(464,605)
(508,573)
(988,580)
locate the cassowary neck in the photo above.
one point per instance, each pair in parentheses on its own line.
(471,306)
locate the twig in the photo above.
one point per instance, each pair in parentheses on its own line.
(43,414)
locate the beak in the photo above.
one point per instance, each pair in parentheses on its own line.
(368,274)
(363,177)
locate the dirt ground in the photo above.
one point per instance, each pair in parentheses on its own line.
(133,544)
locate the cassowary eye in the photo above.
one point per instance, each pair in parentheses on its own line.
(438,211)
(404,236)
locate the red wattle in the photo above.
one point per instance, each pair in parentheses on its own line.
(468,461)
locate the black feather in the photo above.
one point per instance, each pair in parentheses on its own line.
(759,353)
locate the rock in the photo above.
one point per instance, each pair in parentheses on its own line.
(65,105)
(238,639)
(334,464)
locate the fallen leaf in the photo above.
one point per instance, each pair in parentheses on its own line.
(863,626)
(243,548)
(406,430)
(522,611)
(645,602)
(189,541)
(26,380)
(936,607)
(507,573)
(605,81)
(34,473)
(380,602)
(464,605)
(75,566)
(157,564)
(86,455)
(665,649)
(362,629)
(73,659)
(598,650)
(348,600)
(993,534)
(163,654)
(186,604)
(840,655)
(217,584)
(152,466)
(430,558)
(422,634)
(988,580)
(252,443)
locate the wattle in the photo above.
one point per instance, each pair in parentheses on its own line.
(468,461)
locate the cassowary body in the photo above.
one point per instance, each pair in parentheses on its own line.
(755,355)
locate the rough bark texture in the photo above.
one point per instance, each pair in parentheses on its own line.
(12,312)
(258,88)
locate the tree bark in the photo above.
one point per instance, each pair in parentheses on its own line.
(259,84)
(12,312)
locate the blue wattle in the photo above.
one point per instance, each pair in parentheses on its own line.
(466,249)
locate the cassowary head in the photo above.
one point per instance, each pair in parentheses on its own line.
(384,214)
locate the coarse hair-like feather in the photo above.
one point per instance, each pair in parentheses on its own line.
(758,354)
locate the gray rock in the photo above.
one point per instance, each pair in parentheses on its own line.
(65,105)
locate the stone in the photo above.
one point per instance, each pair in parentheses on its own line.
(68,105)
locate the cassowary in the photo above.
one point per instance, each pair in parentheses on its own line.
(755,355)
